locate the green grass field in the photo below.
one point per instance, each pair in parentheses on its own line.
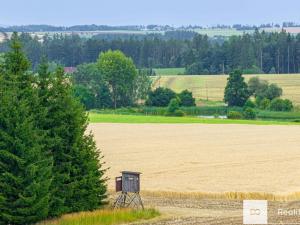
(114,118)
(169,71)
(211,87)
(103,217)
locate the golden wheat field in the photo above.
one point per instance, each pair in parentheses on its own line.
(204,158)
(211,87)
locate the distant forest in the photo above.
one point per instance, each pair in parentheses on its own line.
(259,52)
(94,27)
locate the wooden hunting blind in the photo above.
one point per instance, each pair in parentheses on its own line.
(128,182)
(129,186)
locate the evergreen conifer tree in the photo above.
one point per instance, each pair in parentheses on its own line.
(25,165)
(236,91)
(49,165)
(79,182)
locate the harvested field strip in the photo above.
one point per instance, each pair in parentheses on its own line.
(226,195)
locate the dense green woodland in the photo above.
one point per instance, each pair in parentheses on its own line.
(111,82)
(48,164)
(259,52)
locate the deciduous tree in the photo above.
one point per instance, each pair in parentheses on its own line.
(120,73)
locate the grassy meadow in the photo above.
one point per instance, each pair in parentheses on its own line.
(142,119)
(211,87)
(169,71)
(103,217)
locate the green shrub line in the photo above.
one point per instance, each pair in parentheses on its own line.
(235,115)
(278,115)
(143,119)
(160,111)
(202,111)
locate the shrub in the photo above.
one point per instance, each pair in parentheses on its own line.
(173,105)
(278,104)
(273,92)
(173,108)
(249,114)
(160,97)
(249,104)
(234,115)
(262,89)
(179,113)
(263,104)
(257,87)
(186,98)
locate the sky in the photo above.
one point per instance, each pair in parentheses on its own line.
(144,12)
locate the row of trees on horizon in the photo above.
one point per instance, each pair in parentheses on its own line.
(94,27)
(252,53)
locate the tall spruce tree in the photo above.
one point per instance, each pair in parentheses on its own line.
(236,91)
(79,182)
(25,165)
(54,139)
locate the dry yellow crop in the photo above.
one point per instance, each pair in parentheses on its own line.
(214,160)
(211,87)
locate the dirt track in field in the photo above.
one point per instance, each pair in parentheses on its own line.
(191,211)
(204,158)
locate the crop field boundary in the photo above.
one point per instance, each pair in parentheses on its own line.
(294,196)
(186,161)
(211,87)
(146,119)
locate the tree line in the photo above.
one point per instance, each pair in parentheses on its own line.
(260,52)
(49,165)
(256,94)
(47,28)
(94,27)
